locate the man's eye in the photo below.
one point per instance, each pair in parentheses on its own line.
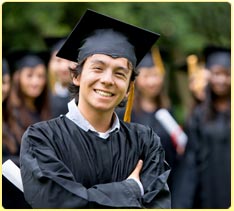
(97,68)
(118,73)
(29,75)
(121,74)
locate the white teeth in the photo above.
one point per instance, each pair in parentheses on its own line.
(104,94)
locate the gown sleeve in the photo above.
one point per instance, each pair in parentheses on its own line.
(48,183)
(154,175)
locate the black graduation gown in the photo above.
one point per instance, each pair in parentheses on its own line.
(59,105)
(148,119)
(62,166)
(212,140)
(12,197)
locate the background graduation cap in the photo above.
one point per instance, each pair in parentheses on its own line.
(153,58)
(5,67)
(215,55)
(25,58)
(97,33)
(53,44)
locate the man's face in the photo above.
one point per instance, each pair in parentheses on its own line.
(103,83)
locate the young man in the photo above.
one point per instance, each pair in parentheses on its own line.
(89,158)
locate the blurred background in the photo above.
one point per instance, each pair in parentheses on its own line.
(185,28)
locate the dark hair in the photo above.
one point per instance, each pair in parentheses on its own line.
(162,100)
(209,105)
(17,106)
(9,140)
(76,71)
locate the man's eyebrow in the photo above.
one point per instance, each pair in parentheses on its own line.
(122,68)
(95,61)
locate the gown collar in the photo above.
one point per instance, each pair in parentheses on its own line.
(75,115)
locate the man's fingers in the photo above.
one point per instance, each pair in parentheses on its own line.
(138,167)
(136,172)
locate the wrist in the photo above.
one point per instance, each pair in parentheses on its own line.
(138,182)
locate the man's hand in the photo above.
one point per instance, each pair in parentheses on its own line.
(136,172)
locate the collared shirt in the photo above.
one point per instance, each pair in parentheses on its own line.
(75,115)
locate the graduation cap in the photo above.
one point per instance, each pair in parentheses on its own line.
(96,33)
(26,58)
(151,59)
(147,61)
(5,67)
(54,43)
(215,55)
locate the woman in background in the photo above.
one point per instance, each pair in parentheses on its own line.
(207,173)
(29,97)
(209,128)
(11,196)
(10,147)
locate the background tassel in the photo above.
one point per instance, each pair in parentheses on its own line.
(128,110)
(158,60)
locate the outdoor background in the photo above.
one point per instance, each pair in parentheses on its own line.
(185,28)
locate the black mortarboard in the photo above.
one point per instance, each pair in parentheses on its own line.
(54,43)
(217,56)
(97,33)
(147,61)
(5,67)
(25,58)
(151,59)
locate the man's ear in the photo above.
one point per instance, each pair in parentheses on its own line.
(76,80)
(127,93)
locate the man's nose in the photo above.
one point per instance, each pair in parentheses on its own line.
(107,77)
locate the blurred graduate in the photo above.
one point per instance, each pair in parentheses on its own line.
(12,197)
(59,77)
(209,129)
(28,100)
(207,175)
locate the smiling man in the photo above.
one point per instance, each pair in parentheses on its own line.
(89,158)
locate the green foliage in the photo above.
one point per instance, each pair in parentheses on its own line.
(184,27)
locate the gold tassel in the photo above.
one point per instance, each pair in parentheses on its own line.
(128,110)
(158,60)
(192,62)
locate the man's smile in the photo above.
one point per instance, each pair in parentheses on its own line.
(103,93)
